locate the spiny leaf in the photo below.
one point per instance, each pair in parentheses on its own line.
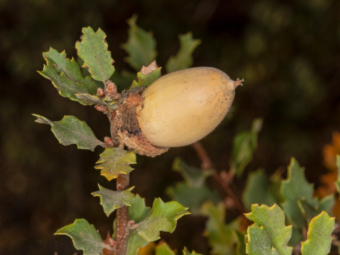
(115,161)
(192,197)
(193,176)
(164,249)
(140,46)
(137,212)
(66,75)
(93,50)
(183,59)
(270,226)
(147,75)
(162,217)
(244,146)
(186,252)
(84,237)
(294,189)
(71,130)
(319,236)
(112,200)
(257,190)
(222,238)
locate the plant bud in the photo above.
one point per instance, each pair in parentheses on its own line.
(184,106)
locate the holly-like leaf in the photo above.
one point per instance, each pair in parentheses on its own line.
(115,161)
(162,217)
(164,249)
(71,130)
(294,189)
(147,75)
(186,252)
(222,238)
(93,50)
(66,76)
(193,176)
(269,231)
(112,200)
(244,146)
(319,236)
(257,190)
(326,204)
(84,237)
(137,212)
(337,183)
(192,197)
(140,46)
(183,59)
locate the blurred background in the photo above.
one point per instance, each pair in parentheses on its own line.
(288,52)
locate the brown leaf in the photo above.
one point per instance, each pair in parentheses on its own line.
(330,151)
(149,69)
(110,242)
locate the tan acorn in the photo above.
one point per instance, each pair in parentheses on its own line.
(177,109)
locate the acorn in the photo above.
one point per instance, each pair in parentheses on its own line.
(177,109)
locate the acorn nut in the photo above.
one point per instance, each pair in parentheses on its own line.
(181,108)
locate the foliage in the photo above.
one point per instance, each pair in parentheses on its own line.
(289,201)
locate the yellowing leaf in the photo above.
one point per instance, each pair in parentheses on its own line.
(115,161)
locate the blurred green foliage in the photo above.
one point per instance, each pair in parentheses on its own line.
(287,52)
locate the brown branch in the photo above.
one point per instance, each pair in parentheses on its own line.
(208,165)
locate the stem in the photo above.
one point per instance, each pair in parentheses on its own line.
(123,181)
(208,165)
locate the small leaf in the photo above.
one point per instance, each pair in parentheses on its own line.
(222,238)
(186,252)
(115,161)
(257,190)
(84,237)
(91,100)
(71,130)
(164,249)
(269,227)
(93,50)
(183,59)
(147,75)
(192,197)
(294,189)
(162,217)
(193,176)
(326,204)
(319,236)
(140,46)
(337,183)
(244,146)
(112,200)
(66,75)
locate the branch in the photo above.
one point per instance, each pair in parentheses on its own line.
(222,182)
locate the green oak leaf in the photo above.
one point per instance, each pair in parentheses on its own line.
(93,50)
(92,99)
(269,226)
(259,242)
(162,217)
(222,237)
(294,189)
(244,146)
(309,212)
(194,177)
(183,58)
(296,238)
(66,76)
(147,75)
(186,252)
(84,237)
(112,200)
(164,249)
(319,236)
(137,212)
(257,190)
(337,183)
(115,161)
(140,46)
(192,197)
(71,130)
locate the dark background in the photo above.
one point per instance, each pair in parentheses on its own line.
(288,52)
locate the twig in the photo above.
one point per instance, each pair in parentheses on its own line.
(207,165)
